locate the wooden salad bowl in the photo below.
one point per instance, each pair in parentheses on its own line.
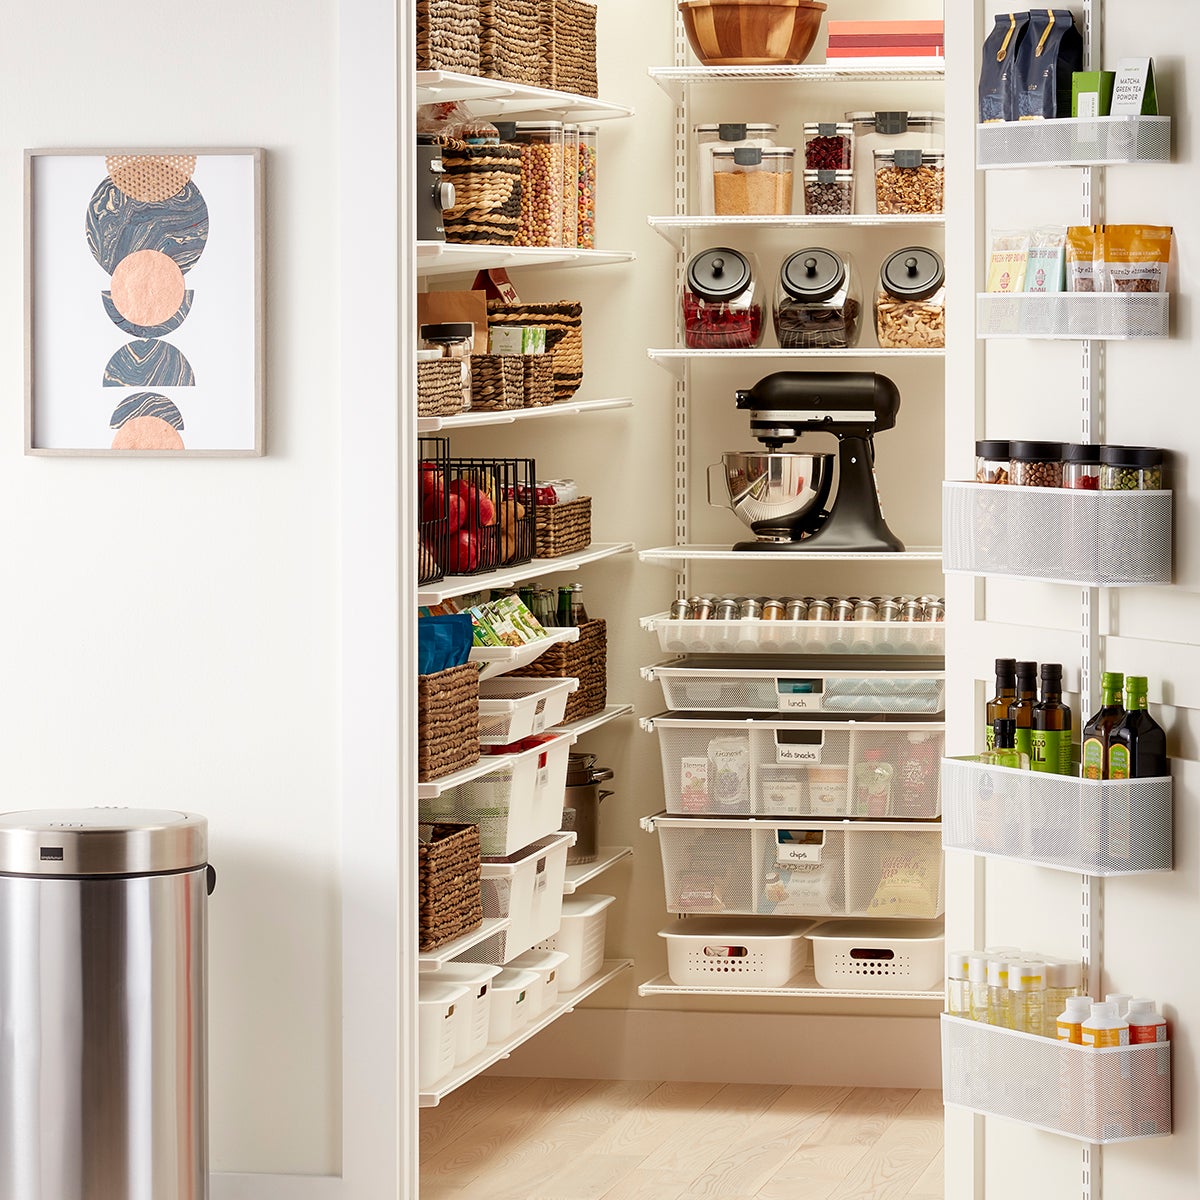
(751,33)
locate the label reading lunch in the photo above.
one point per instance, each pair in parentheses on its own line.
(798,695)
(799,846)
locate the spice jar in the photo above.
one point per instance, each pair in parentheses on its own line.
(1081,467)
(751,181)
(828,193)
(586,237)
(542,155)
(721,309)
(729,136)
(910,305)
(570,185)
(1130,469)
(454,339)
(910,181)
(892,130)
(817,302)
(991,462)
(1036,464)
(828,146)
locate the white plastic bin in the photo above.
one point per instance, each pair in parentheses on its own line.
(439,1012)
(581,937)
(879,956)
(545,964)
(476,1004)
(716,952)
(512,1004)
(511,709)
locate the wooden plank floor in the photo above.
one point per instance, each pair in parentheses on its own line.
(578,1139)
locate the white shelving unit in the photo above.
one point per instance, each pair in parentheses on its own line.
(674,227)
(803,987)
(677,359)
(456,258)
(1074,316)
(672,556)
(434,960)
(479,419)
(579,874)
(676,80)
(586,724)
(499,98)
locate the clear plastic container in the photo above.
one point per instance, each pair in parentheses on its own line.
(992,462)
(570,186)
(828,146)
(889,130)
(727,136)
(817,302)
(720,305)
(828,193)
(1081,467)
(910,181)
(586,226)
(752,181)
(1130,469)
(542,157)
(910,304)
(1036,464)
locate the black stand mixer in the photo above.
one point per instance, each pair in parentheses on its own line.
(852,406)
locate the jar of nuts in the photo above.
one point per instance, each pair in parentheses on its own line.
(1081,466)
(910,181)
(910,305)
(542,163)
(720,304)
(1036,464)
(890,130)
(1130,469)
(991,462)
(817,302)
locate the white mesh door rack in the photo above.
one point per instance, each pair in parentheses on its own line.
(1100,316)
(1073,142)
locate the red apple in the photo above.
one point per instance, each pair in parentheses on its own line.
(487,510)
(458,512)
(464,552)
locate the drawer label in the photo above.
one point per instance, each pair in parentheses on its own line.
(790,754)
(799,695)
(799,846)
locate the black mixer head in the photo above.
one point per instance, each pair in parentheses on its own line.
(786,404)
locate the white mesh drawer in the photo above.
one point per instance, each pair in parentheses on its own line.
(1073,141)
(1106,316)
(876,956)
(511,709)
(1094,828)
(1065,535)
(1113,1095)
(718,952)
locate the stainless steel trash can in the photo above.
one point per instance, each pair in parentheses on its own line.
(103,1029)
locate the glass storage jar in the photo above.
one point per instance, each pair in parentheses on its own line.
(828,193)
(751,181)
(586,239)
(1036,464)
(992,462)
(910,305)
(1130,469)
(889,130)
(817,302)
(1081,466)
(828,146)
(720,304)
(729,136)
(452,339)
(570,185)
(910,181)
(542,157)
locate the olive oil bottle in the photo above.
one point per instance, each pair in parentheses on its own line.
(1093,751)
(1137,745)
(1006,694)
(1022,709)
(1051,733)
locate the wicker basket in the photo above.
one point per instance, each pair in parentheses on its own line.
(448,36)
(563,528)
(568,30)
(538,379)
(439,387)
(450,896)
(510,41)
(497,381)
(487,193)
(585,660)
(447,721)
(563,320)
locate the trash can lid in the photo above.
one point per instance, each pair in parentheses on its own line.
(101,841)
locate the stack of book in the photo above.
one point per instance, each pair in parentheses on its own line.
(886,44)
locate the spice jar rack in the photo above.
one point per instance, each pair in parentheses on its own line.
(1099,316)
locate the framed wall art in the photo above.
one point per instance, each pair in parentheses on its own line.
(144,302)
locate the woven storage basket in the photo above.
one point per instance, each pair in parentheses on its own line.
(568,30)
(487,193)
(538,379)
(563,528)
(497,381)
(450,895)
(447,721)
(585,660)
(439,387)
(563,320)
(510,41)
(448,36)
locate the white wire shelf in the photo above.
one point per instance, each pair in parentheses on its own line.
(499,97)
(434,960)
(1066,316)
(465,1072)
(669,556)
(1073,142)
(803,985)
(474,419)
(674,79)
(673,228)
(452,258)
(587,724)
(579,874)
(675,359)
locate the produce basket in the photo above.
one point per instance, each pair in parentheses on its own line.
(447,721)
(497,381)
(439,387)
(563,322)
(448,36)
(587,661)
(510,41)
(879,956)
(487,193)
(563,528)
(568,32)
(538,379)
(433,526)
(486,527)
(448,878)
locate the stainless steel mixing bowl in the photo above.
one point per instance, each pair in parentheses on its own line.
(774,493)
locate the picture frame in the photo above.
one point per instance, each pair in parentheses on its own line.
(144,304)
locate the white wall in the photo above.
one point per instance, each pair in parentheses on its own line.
(171,628)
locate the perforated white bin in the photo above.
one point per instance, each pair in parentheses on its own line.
(439,1013)
(1073,141)
(879,956)
(511,709)
(476,1004)
(581,937)
(545,964)
(1107,316)
(718,952)
(512,1003)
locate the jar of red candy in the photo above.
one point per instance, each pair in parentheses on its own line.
(721,306)
(828,146)
(1081,466)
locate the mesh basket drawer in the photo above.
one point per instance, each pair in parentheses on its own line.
(512,709)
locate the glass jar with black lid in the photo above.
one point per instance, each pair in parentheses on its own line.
(992,462)
(817,302)
(910,305)
(1131,469)
(1081,466)
(720,304)
(1036,464)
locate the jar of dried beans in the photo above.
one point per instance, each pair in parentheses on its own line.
(750,181)
(910,305)
(720,303)
(828,146)
(817,302)
(1036,464)
(1130,469)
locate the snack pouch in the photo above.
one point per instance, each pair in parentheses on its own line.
(996,73)
(1049,54)
(1136,257)
(1080,250)
(1006,266)
(1047,251)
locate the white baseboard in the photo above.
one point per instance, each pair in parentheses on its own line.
(858,1051)
(230,1185)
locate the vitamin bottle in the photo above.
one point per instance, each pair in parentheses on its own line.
(977,978)
(1027,982)
(1151,1091)
(958,989)
(1063,983)
(1069,1023)
(999,998)
(1105,1027)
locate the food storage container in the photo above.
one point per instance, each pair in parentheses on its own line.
(828,146)
(719,952)
(586,235)
(453,339)
(893,130)
(828,193)
(580,937)
(910,305)
(1036,464)
(542,157)
(728,136)
(512,1003)
(992,461)
(910,181)
(438,1016)
(1130,469)
(545,964)
(750,181)
(868,956)
(720,305)
(1081,467)
(476,978)
(817,301)
(570,185)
